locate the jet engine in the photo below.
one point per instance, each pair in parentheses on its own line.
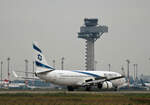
(105,85)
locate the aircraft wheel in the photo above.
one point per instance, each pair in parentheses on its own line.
(88,88)
(116,89)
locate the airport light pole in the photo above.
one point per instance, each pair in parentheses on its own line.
(128,75)
(149,59)
(123,72)
(1,71)
(26,71)
(62,63)
(54,64)
(33,74)
(109,65)
(136,71)
(95,65)
(134,65)
(8,60)
(26,68)
(33,69)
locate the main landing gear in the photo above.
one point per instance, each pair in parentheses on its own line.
(70,88)
(116,89)
(88,88)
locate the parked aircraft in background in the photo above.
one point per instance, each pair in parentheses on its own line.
(146,85)
(4,83)
(8,84)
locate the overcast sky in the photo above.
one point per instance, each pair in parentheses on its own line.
(54,24)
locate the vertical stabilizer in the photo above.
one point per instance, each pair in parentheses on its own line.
(40,61)
(143,84)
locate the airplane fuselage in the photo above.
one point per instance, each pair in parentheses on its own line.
(78,77)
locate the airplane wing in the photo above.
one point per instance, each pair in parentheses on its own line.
(93,82)
(25,72)
(114,78)
(100,80)
(143,84)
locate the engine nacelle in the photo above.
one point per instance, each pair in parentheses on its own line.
(105,85)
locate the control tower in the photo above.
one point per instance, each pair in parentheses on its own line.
(91,31)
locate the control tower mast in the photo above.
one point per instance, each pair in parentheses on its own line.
(91,31)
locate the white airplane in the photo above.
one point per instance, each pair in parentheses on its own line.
(146,85)
(17,85)
(4,83)
(75,78)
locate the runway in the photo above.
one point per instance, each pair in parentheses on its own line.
(73,92)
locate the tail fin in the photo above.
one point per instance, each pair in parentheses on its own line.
(143,84)
(40,62)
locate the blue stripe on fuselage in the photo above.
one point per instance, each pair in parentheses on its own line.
(42,65)
(91,74)
(36,48)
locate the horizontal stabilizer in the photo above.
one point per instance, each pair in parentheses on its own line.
(22,77)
